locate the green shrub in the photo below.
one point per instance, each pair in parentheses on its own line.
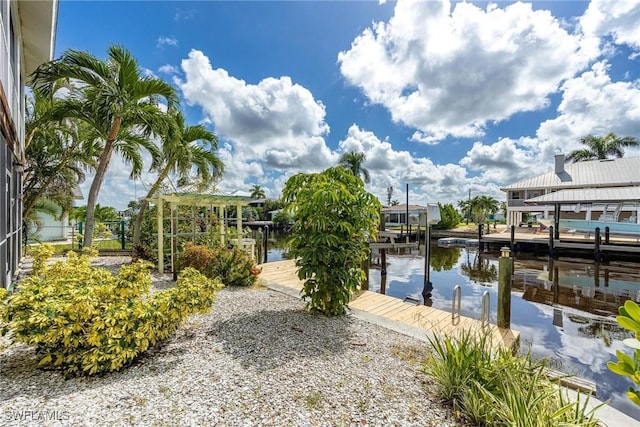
(450,217)
(493,387)
(87,320)
(335,217)
(231,266)
(629,366)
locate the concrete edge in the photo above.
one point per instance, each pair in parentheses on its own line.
(611,417)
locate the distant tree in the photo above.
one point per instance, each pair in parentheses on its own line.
(270,205)
(601,148)
(483,207)
(389,195)
(450,217)
(353,161)
(466,207)
(102,214)
(395,203)
(257,192)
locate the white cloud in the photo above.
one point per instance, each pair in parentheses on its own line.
(276,123)
(449,71)
(169,69)
(593,104)
(428,182)
(167,41)
(615,18)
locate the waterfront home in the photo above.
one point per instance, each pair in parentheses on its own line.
(397,215)
(597,191)
(27,39)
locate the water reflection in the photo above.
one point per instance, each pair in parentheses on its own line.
(564,309)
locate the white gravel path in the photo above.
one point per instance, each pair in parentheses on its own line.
(257,359)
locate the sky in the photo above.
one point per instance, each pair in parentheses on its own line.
(450,98)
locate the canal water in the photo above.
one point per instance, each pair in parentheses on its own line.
(564,308)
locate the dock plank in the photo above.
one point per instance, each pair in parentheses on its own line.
(429,319)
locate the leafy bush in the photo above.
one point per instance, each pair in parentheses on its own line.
(231,266)
(40,254)
(493,387)
(449,217)
(334,219)
(86,320)
(629,366)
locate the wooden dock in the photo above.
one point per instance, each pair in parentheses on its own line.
(431,320)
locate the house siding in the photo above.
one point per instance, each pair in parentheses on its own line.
(12,78)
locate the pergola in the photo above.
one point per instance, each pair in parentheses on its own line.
(216,202)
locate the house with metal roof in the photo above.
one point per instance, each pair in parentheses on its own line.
(27,39)
(596,190)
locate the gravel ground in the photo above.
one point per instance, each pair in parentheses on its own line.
(256,359)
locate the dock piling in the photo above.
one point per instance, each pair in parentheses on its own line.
(505,268)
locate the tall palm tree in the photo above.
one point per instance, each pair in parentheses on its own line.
(353,161)
(114,98)
(184,148)
(257,192)
(601,147)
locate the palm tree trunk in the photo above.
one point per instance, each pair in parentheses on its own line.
(145,203)
(101,171)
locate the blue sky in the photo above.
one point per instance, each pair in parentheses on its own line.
(444,96)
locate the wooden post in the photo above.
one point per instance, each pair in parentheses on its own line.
(174,238)
(596,245)
(505,268)
(221,209)
(551,241)
(265,242)
(512,239)
(122,242)
(160,208)
(427,258)
(481,245)
(606,235)
(365,267)
(556,220)
(383,257)
(258,237)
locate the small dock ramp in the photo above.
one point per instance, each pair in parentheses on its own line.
(433,321)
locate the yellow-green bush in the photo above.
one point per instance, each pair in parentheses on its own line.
(87,320)
(231,266)
(40,254)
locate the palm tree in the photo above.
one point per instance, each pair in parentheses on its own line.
(257,192)
(466,207)
(56,157)
(184,148)
(485,205)
(599,148)
(116,101)
(353,161)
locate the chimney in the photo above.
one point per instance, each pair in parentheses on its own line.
(559,163)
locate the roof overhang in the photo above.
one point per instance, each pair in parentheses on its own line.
(588,195)
(38,20)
